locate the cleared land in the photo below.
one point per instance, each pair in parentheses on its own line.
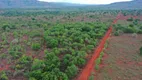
(121,60)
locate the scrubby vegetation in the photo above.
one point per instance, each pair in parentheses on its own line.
(46,44)
(132,27)
(49,45)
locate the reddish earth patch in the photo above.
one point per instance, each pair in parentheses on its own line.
(4,65)
(122,17)
(11,37)
(123,61)
(25,37)
(36,54)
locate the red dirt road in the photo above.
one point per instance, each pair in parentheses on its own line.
(90,65)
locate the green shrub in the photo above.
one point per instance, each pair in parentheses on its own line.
(71,71)
(35,34)
(15,54)
(52,43)
(79,61)
(56,51)
(116,33)
(3,56)
(98,61)
(67,59)
(36,74)
(51,61)
(96,66)
(55,74)
(92,77)
(90,47)
(31,78)
(36,46)
(139,31)
(3,76)
(25,60)
(129,30)
(37,64)
(5,26)
(130,19)
(86,28)
(141,51)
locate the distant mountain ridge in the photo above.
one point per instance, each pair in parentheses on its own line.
(135,4)
(21,3)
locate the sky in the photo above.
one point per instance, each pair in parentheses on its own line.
(87,1)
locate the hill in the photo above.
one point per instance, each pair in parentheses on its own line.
(135,4)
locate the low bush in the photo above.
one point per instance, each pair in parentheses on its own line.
(98,61)
(5,26)
(35,34)
(37,64)
(71,71)
(24,62)
(129,30)
(130,19)
(116,33)
(140,32)
(3,76)
(92,77)
(52,43)
(36,46)
(141,51)
(79,61)
(15,51)
(96,66)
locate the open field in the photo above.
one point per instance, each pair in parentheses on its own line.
(121,60)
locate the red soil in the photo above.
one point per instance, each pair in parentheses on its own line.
(25,37)
(123,61)
(4,65)
(122,17)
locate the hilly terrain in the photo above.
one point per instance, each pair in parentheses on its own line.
(135,4)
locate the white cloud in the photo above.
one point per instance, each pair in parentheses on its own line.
(87,1)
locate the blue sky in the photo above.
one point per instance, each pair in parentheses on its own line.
(87,1)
